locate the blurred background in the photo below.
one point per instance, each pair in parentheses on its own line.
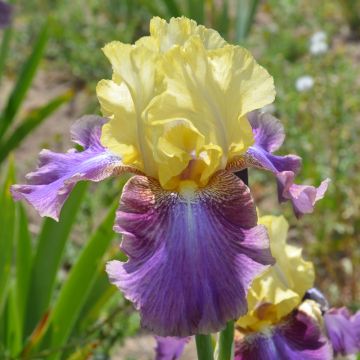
(50,62)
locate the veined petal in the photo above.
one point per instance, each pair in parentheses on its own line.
(192,256)
(303,197)
(123,100)
(120,133)
(50,185)
(269,135)
(343,330)
(213,90)
(297,338)
(182,72)
(170,348)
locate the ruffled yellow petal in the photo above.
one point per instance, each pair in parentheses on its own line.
(124,99)
(181,154)
(120,133)
(179,30)
(213,90)
(181,74)
(282,287)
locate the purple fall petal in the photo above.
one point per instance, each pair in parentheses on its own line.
(343,330)
(269,135)
(191,260)
(298,338)
(50,185)
(170,348)
(5,14)
(303,197)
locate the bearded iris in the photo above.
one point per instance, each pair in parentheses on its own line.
(177,113)
(279,324)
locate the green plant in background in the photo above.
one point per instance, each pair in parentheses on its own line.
(80,31)
(233,19)
(351,10)
(40,315)
(11,132)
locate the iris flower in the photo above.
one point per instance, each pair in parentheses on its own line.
(177,114)
(279,325)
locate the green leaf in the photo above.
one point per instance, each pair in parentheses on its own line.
(172,7)
(196,10)
(14,325)
(226,341)
(24,81)
(80,281)
(152,7)
(23,261)
(4,50)
(34,119)
(223,20)
(245,14)
(101,292)
(204,347)
(7,234)
(50,247)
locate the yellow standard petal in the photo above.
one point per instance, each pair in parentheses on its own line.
(179,30)
(178,100)
(213,90)
(124,98)
(280,289)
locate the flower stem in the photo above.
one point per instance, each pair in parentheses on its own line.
(204,347)
(226,342)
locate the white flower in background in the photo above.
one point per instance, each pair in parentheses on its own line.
(319,36)
(319,48)
(318,43)
(304,83)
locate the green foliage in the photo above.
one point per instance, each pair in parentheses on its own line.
(351,11)
(204,347)
(79,33)
(40,314)
(226,340)
(322,127)
(9,142)
(245,13)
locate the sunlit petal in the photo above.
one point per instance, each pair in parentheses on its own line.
(50,185)
(192,256)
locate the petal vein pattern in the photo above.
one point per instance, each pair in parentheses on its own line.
(343,330)
(191,258)
(50,185)
(269,135)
